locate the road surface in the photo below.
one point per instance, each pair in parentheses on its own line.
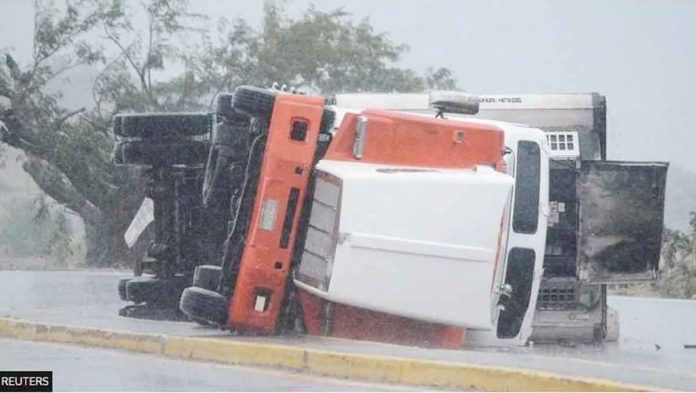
(650,350)
(79,369)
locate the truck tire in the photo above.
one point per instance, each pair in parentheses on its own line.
(223,105)
(161,153)
(207,277)
(254,102)
(122,288)
(213,177)
(202,305)
(157,291)
(162,126)
(328,118)
(232,131)
(325,136)
(218,181)
(144,289)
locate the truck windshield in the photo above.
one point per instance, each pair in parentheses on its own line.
(526,210)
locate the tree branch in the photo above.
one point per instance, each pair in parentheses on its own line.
(146,65)
(58,124)
(61,70)
(126,54)
(58,187)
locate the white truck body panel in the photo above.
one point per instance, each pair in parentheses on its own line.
(535,241)
(427,264)
(418,103)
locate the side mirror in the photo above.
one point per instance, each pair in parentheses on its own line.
(504,295)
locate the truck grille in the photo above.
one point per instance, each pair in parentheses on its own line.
(557,296)
(317,258)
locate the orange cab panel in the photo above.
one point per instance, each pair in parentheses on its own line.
(285,170)
(413,140)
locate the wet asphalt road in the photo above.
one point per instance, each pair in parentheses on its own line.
(650,350)
(78,369)
(90,299)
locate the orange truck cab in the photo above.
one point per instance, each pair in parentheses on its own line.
(410,227)
(249,287)
(295,252)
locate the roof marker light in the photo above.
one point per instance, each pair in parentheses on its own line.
(360,135)
(454,102)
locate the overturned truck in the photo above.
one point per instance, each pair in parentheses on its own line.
(416,221)
(394,233)
(605,218)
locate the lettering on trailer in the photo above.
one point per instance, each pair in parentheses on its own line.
(514,100)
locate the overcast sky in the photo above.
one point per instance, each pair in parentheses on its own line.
(640,54)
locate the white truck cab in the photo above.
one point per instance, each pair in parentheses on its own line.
(399,240)
(524,226)
(504,312)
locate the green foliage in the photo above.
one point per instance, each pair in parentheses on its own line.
(322,52)
(141,53)
(69,152)
(19,238)
(55,230)
(440,79)
(678,276)
(38,228)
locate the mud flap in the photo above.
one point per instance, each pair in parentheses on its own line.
(620,220)
(144,217)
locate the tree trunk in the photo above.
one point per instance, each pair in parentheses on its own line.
(106,245)
(105,225)
(98,239)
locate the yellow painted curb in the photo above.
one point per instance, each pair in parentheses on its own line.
(383,369)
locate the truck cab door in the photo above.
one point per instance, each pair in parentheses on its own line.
(621,213)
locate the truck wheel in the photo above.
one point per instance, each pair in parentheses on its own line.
(202,305)
(161,153)
(254,102)
(207,277)
(144,289)
(291,319)
(162,126)
(328,118)
(218,184)
(157,292)
(223,105)
(232,131)
(122,288)
(213,177)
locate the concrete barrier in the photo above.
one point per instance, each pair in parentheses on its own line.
(373,368)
